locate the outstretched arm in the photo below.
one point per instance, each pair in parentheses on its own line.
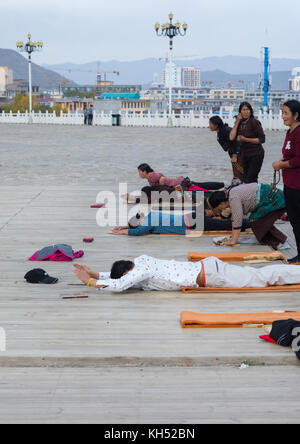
(91,274)
(87,276)
(131,279)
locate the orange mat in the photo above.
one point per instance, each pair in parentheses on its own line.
(238,257)
(189,319)
(272,289)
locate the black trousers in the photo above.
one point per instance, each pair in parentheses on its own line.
(147,193)
(213,186)
(292,198)
(160,188)
(252,166)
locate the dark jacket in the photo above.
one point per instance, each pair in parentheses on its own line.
(252,129)
(232,147)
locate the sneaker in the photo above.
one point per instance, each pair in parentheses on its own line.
(295,260)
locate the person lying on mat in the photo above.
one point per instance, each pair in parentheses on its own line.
(148,273)
(159,182)
(264,203)
(181,224)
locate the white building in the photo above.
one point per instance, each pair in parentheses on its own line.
(176,76)
(6,78)
(294,82)
(191,77)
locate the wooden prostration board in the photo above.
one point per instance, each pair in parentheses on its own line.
(239,257)
(190,319)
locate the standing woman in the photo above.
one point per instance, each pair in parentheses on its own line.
(249,133)
(232,147)
(290,166)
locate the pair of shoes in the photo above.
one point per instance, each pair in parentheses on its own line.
(295,260)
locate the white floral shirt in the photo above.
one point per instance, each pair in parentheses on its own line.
(154,274)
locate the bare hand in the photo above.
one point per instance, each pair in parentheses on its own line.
(82,267)
(234,158)
(239,117)
(209,213)
(241,139)
(277,166)
(81,274)
(119,232)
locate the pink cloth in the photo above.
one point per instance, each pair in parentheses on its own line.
(59,256)
(194,188)
(153,179)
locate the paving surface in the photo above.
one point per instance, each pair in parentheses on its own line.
(122,358)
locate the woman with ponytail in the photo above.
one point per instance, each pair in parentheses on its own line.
(223,131)
(290,166)
(158,182)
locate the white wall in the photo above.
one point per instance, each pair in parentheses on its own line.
(191,120)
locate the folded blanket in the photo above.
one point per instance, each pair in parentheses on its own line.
(189,319)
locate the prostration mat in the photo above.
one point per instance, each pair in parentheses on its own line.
(268,256)
(190,319)
(271,289)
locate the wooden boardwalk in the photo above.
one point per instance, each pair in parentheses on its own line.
(123,358)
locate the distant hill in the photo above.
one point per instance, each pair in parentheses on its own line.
(19,64)
(220,69)
(141,71)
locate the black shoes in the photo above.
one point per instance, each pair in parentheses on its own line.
(295,260)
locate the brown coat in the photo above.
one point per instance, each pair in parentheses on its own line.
(252,130)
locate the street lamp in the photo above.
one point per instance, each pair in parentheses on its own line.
(171,30)
(29,47)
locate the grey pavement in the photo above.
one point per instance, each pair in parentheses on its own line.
(122,358)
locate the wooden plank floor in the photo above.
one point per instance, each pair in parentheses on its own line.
(139,325)
(150,396)
(103,358)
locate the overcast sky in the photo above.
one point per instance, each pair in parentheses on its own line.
(81,31)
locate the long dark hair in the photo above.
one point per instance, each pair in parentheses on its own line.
(294,107)
(217,198)
(145,167)
(248,105)
(119,268)
(217,121)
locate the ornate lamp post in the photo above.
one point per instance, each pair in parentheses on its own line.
(29,47)
(171,30)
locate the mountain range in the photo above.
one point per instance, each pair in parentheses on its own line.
(221,69)
(41,76)
(237,70)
